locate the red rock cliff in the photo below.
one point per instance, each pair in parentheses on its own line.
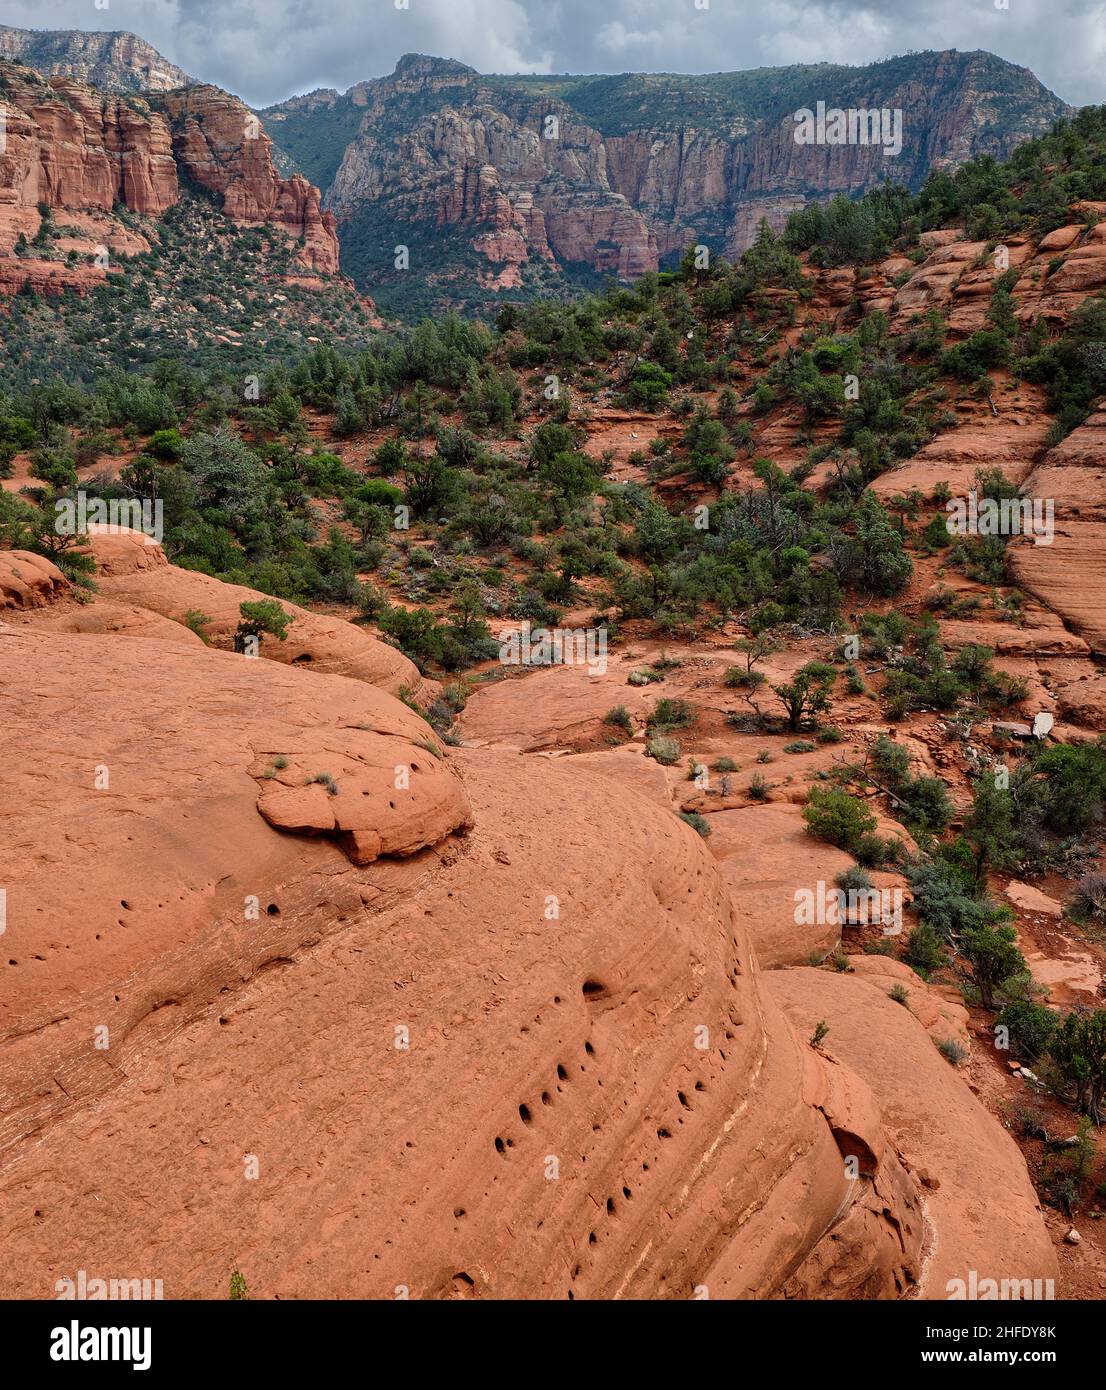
(69,146)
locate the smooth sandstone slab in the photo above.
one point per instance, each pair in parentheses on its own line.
(129,570)
(979,1199)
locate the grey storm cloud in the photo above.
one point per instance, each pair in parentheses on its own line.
(265,50)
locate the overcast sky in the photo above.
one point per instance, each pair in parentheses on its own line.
(265,50)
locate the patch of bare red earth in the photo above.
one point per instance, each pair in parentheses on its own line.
(629,1035)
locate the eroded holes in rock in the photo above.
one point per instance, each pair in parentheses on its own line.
(500,1146)
(546,1098)
(458,1212)
(571,1296)
(594,989)
(391,805)
(557,999)
(303,656)
(273,910)
(627,1193)
(610,1206)
(524,1114)
(561,1073)
(123,903)
(699,1086)
(223,1022)
(683,1100)
(589,1049)
(664,1133)
(593,1239)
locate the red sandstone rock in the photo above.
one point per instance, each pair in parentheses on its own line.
(70,146)
(430,1150)
(1070,574)
(221,144)
(27,580)
(981,1210)
(134,572)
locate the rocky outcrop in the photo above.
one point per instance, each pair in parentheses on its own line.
(70,146)
(114,62)
(976,1191)
(525,188)
(220,144)
(28,580)
(1069,575)
(132,571)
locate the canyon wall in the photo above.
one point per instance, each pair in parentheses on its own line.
(72,147)
(617,178)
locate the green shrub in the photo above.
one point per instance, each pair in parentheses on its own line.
(620,717)
(1031,1027)
(759,787)
(665,750)
(669,713)
(923,951)
(837,817)
(993,956)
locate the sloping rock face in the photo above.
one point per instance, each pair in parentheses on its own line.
(1070,574)
(957,278)
(549,1125)
(614,173)
(115,62)
(977,1192)
(71,146)
(144,892)
(470,1058)
(131,571)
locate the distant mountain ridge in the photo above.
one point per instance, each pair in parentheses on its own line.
(116,62)
(462,169)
